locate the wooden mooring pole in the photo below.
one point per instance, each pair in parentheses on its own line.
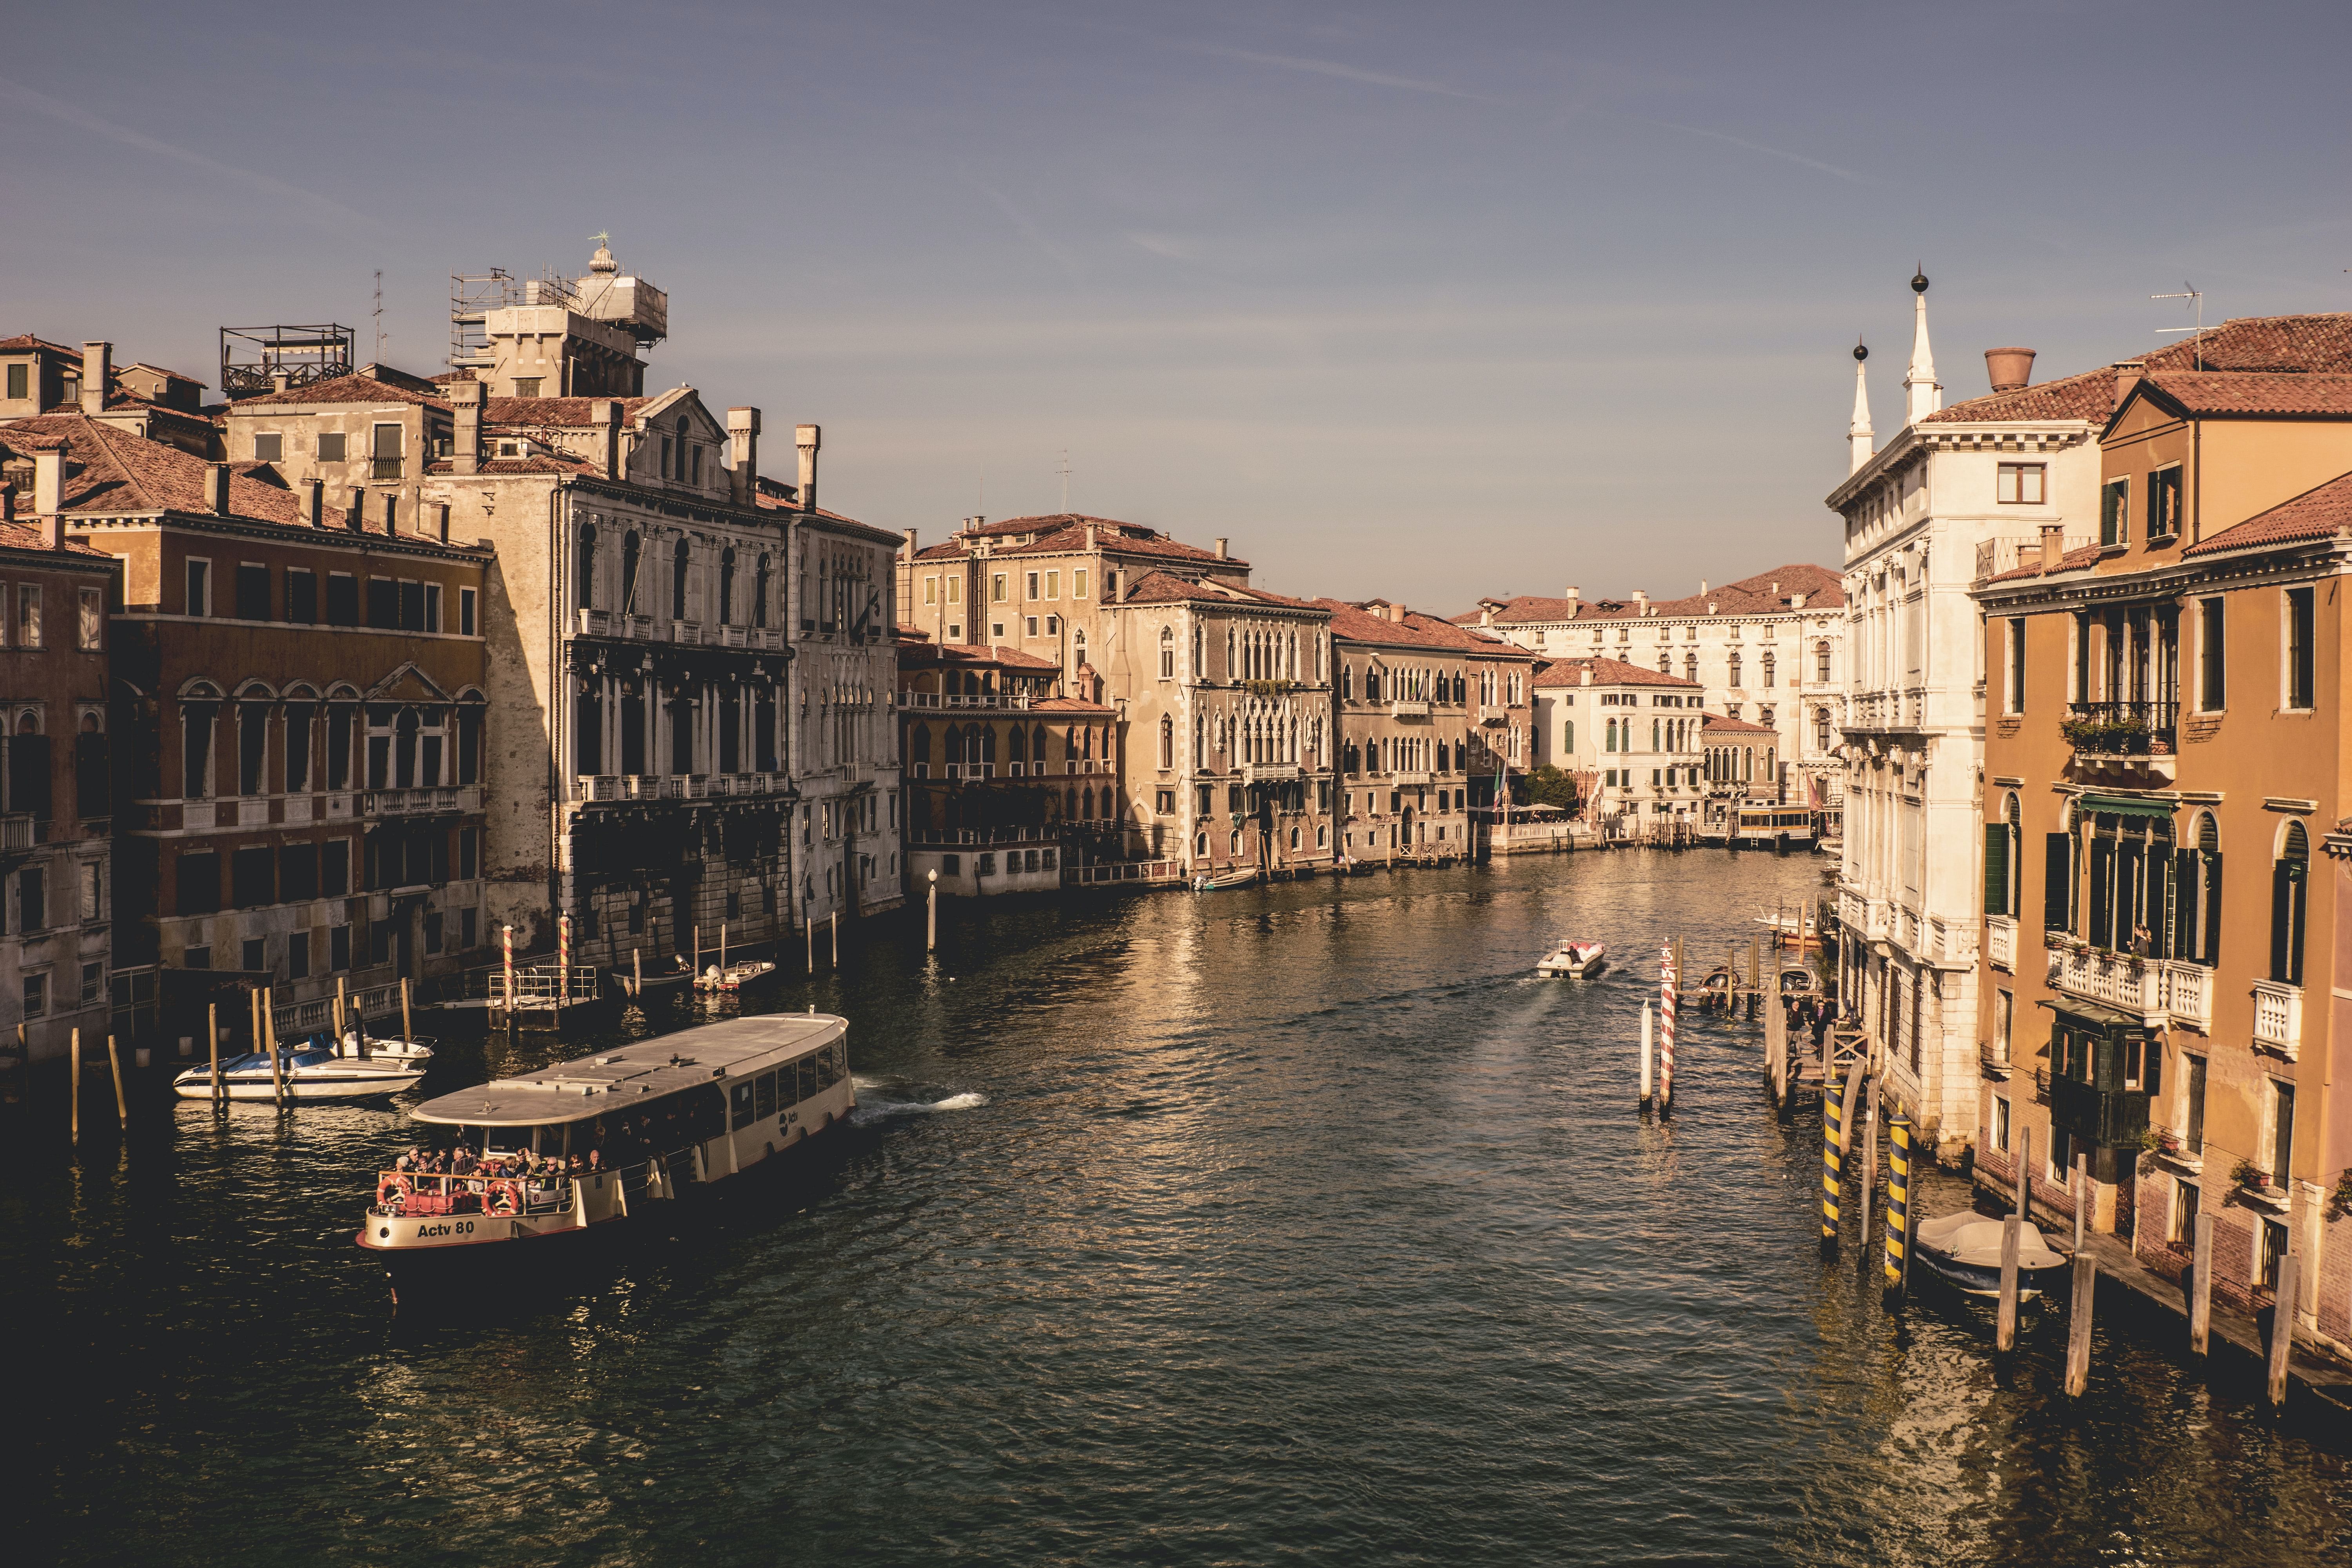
(121,1106)
(2282,1346)
(931,919)
(407,1026)
(212,1027)
(1899,1207)
(270,1029)
(2200,1288)
(1832,1180)
(1755,976)
(836,938)
(2078,1325)
(2012,1239)
(75,1114)
(1645,1051)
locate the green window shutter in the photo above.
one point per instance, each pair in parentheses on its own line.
(2100,894)
(2212,911)
(2057,881)
(2182,940)
(1996,869)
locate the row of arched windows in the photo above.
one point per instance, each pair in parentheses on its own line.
(297,739)
(738,602)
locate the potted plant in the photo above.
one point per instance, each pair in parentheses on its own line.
(2168,1141)
(2248,1177)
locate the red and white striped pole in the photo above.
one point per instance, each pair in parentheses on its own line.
(562,960)
(1666,987)
(507,994)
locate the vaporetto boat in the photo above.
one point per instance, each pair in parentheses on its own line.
(661,1119)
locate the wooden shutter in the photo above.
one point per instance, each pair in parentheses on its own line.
(2057,881)
(2211,900)
(2100,892)
(2183,937)
(1996,869)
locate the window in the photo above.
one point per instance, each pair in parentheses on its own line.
(1053,585)
(1821,662)
(335,871)
(93,983)
(432,606)
(681,559)
(343,599)
(1167,654)
(200,588)
(583,568)
(2114,512)
(198,876)
(301,595)
(297,872)
(1078,583)
(36,995)
(386,452)
(930,590)
(2000,1125)
(19,382)
(2013,671)
(466,612)
(2290,881)
(32,900)
(2282,1130)
(331,447)
(252,875)
(2000,868)
(298,955)
(93,618)
(196,749)
(384,603)
(252,591)
(339,948)
(2298,680)
(1767,672)
(2211,688)
(2164,503)
(268,449)
(1033,579)
(2020,484)
(1029,626)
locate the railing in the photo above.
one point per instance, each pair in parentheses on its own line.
(1124,871)
(971,770)
(17,830)
(2278,1016)
(2136,728)
(1269,772)
(405,1195)
(2188,993)
(1410,780)
(418,802)
(1997,555)
(1408,710)
(535,986)
(383,468)
(978,700)
(686,631)
(2001,940)
(2153,989)
(965,837)
(298,1019)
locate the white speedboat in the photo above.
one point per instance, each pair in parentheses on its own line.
(650,1123)
(735,976)
(1576,960)
(1964,1249)
(312,1070)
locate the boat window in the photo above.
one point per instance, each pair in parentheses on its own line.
(739,1099)
(807,1069)
(829,1064)
(767,1097)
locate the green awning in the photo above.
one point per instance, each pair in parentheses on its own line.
(2128,806)
(2093,1015)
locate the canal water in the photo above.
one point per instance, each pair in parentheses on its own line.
(1295,1224)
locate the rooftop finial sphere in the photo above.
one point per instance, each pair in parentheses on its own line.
(1860,351)
(1919,281)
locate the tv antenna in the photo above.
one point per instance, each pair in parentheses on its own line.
(2196,341)
(376,316)
(1066,479)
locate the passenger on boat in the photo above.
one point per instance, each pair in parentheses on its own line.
(464,1164)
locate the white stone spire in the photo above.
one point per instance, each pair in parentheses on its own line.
(1858,434)
(1922,394)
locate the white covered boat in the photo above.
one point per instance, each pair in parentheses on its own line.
(1576,960)
(314,1069)
(1964,1249)
(660,1119)
(735,976)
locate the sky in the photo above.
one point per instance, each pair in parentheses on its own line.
(1427,303)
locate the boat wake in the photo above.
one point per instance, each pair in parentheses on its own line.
(872,1111)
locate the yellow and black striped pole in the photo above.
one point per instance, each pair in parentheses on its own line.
(1832,1177)
(1898,1204)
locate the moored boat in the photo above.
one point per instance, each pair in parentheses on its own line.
(580,1145)
(735,976)
(1575,960)
(1964,1250)
(314,1069)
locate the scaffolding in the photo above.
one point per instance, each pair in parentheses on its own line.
(473,295)
(255,360)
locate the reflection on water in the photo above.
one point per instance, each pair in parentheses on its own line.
(1292,1221)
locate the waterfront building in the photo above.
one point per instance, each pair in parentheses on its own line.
(1955,487)
(2166,873)
(56,795)
(1227,692)
(1768,649)
(844,752)
(635,611)
(1632,735)
(1006,774)
(301,721)
(1500,715)
(1403,701)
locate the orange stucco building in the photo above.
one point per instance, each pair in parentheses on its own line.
(2168,919)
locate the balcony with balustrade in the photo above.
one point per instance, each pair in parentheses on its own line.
(2000,941)
(436,800)
(2157,991)
(2278,1018)
(2134,741)
(625,788)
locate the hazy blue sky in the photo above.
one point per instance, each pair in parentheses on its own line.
(1420,300)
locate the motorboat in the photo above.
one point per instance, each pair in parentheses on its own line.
(315,1069)
(735,976)
(1575,960)
(1964,1249)
(626,1133)
(1205,883)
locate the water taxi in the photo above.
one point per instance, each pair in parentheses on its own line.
(656,1121)
(735,976)
(313,1069)
(1576,960)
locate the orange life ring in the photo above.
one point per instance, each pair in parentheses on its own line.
(502,1198)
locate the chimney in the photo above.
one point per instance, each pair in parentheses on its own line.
(1701,587)
(604,413)
(355,510)
(97,368)
(1571,596)
(743,450)
(216,489)
(807,437)
(1485,615)
(314,491)
(466,400)
(973,524)
(2054,546)
(1588,675)
(49,481)
(53,533)
(2009,370)
(1220,549)
(1642,600)
(1396,612)
(913,548)
(2127,374)
(281,381)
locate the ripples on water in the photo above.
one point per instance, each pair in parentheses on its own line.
(1282,1224)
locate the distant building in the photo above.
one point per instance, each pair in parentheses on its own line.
(1636,734)
(1403,701)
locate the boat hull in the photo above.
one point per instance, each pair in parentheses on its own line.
(1978,1280)
(197,1085)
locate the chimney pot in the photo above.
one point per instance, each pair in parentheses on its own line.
(216,489)
(281,381)
(314,491)
(2009,370)
(743,444)
(1220,549)
(1702,586)
(96,370)
(604,413)
(465,402)
(807,438)
(2053,545)
(2127,374)
(53,533)
(49,481)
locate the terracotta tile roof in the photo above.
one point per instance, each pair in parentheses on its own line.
(28,536)
(1060,533)
(775,495)
(1605,672)
(1722,724)
(2324,512)
(538,463)
(353,388)
(1163,588)
(912,634)
(1766,593)
(111,472)
(28,343)
(2080,556)
(554,412)
(2250,345)
(1361,623)
(1070,705)
(2217,391)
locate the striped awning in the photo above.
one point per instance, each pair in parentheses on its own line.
(2128,806)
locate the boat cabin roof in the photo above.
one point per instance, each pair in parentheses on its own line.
(637,1073)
